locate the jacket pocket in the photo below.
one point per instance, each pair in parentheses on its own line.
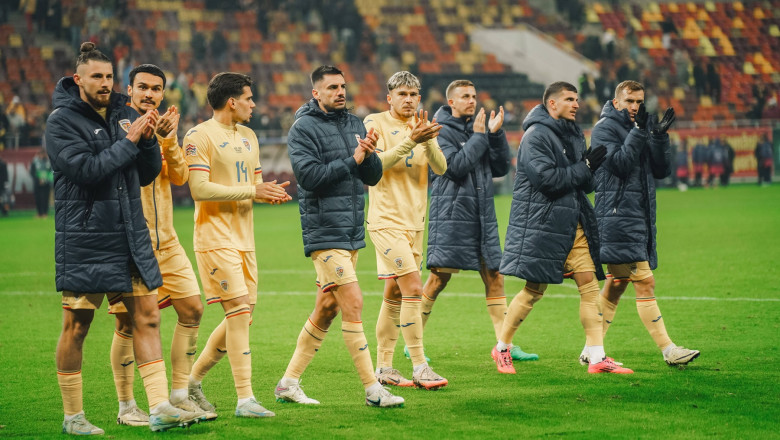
(546,212)
(619,197)
(88,211)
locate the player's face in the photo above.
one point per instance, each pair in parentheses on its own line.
(564,106)
(95,80)
(463,101)
(242,106)
(146,92)
(629,100)
(331,93)
(403,102)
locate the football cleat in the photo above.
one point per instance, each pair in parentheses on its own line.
(519,355)
(585,358)
(503,361)
(133,416)
(168,416)
(79,425)
(253,409)
(293,393)
(189,404)
(391,376)
(383,399)
(428,379)
(608,365)
(196,394)
(680,356)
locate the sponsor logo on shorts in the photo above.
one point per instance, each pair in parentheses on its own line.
(340,271)
(387,250)
(364,347)
(327,258)
(191,150)
(224,285)
(125,124)
(214,270)
(399,262)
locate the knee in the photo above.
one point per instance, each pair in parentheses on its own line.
(124,324)
(645,287)
(149,320)
(191,314)
(327,310)
(438,281)
(76,329)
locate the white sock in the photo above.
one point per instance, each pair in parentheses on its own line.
(179,395)
(69,418)
(243,401)
(160,406)
(596,353)
(502,346)
(419,367)
(125,405)
(668,348)
(373,388)
(287,381)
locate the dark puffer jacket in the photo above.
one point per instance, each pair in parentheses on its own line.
(548,200)
(98,173)
(462,228)
(625,187)
(330,182)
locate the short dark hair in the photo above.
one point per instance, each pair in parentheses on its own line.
(631,86)
(224,86)
(88,52)
(455,84)
(146,68)
(321,71)
(556,88)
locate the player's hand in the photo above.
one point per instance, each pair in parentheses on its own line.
(422,130)
(271,192)
(137,128)
(666,122)
(479,121)
(595,157)
(496,120)
(287,198)
(360,153)
(168,123)
(641,117)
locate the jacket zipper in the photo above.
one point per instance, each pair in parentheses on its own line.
(88,210)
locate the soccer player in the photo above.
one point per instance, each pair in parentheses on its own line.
(102,151)
(552,227)
(332,157)
(462,229)
(396,223)
(638,152)
(180,287)
(225,177)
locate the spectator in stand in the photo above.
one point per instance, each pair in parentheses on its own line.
(699,78)
(717,161)
(681,165)
(772,111)
(764,155)
(17,119)
(713,82)
(700,157)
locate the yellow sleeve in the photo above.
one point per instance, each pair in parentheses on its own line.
(178,171)
(389,155)
(197,152)
(436,159)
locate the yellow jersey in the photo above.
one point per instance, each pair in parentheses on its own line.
(400,199)
(156,198)
(224,165)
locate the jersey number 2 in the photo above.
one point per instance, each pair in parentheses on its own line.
(408,158)
(241,169)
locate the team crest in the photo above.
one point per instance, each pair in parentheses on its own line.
(340,271)
(191,150)
(125,124)
(224,285)
(399,262)
(357,138)
(246,144)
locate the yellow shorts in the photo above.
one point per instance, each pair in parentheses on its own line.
(445,269)
(179,280)
(227,273)
(630,271)
(579,260)
(398,252)
(92,301)
(334,267)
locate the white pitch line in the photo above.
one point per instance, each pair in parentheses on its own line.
(444,294)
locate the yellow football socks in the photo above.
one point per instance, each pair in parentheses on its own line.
(309,342)
(358,348)
(387,325)
(212,353)
(496,307)
(122,357)
(589,313)
(237,342)
(183,349)
(71,390)
(650,315)
(155,381)
(519,309)
(411,327)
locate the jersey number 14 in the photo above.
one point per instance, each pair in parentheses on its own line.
(241,170)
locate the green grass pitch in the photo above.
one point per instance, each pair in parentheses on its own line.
(717,287)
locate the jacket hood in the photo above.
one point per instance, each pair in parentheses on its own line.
(444,117)
(66,94)
(561,127)
(621,116)
(312,108)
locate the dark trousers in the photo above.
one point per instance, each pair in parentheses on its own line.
(42,194)
(764,174)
